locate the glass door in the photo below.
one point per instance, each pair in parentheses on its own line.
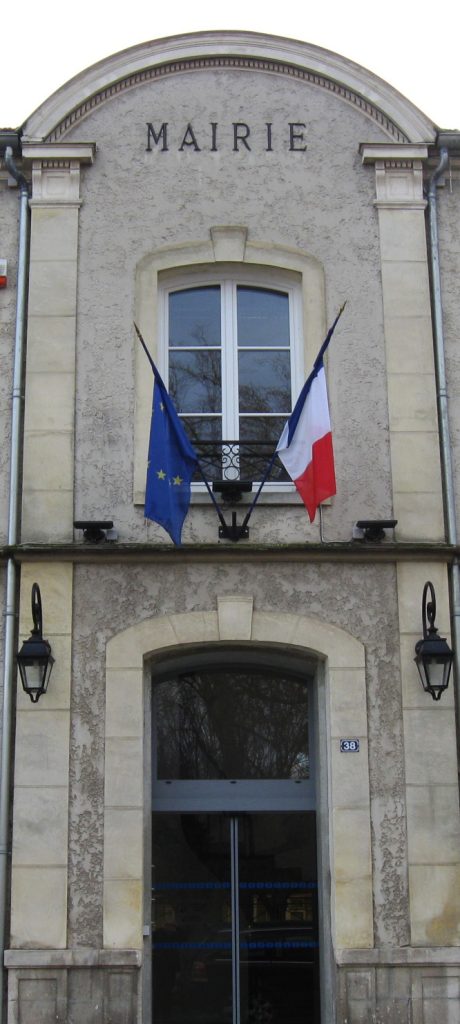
(234,919)
(191,919)
(234,882)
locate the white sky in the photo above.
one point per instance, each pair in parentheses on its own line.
(412,44)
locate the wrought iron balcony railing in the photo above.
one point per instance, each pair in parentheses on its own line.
(242,461)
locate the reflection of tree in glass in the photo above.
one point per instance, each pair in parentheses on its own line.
(199,332)
(260,436)
(195,381)
(268,388)
(194,313)
(231,724)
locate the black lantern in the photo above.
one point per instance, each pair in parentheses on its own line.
(35,660)
(433,655)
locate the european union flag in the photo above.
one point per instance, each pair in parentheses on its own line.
(171,465)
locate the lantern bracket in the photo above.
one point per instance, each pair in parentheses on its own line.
(433,655)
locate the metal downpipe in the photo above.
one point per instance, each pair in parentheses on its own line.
(13,531)
(443,415)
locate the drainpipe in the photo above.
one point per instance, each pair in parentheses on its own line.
(13,533)
(444,432)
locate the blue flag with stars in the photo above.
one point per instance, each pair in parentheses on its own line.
(171,464)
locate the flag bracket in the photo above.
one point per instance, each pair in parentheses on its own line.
(234,532)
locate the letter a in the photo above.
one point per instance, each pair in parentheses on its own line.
(189,140)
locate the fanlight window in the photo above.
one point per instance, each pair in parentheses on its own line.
(219,723)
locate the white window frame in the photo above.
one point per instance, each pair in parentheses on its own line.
(228,279)
(221,248)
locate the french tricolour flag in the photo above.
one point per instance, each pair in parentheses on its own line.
(305,446)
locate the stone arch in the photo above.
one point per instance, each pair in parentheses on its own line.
(131,68)
(235,620)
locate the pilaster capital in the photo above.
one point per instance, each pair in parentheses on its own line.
(56,171)
(398,173)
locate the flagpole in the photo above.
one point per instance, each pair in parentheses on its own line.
(213,497)
(270,464)
(328,337)
(321,537)
(205,481)
(256,498)
(144,346)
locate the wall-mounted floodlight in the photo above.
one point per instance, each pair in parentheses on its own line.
(373,530)
(96,530)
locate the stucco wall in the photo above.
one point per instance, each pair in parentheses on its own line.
(320,201)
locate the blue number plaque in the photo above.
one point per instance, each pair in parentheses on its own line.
(349,746)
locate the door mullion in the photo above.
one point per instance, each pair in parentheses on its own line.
(235,919)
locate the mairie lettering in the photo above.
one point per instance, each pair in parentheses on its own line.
(238,136)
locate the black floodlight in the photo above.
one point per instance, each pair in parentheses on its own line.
(433,656)
(374,529)
(95,530)
(35,659)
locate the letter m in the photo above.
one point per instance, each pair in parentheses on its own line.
(162,135)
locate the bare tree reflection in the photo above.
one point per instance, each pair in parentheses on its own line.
(265,382)
(195,381)
(231,724)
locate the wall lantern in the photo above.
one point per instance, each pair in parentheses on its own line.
(35,660)
(433,655)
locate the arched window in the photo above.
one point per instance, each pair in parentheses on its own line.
(232,356)
(268,304)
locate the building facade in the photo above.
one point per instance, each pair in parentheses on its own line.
(235,802)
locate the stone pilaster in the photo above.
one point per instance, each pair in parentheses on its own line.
(41,775)
(47,512)
(415,460)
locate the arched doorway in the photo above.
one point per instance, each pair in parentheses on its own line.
(234,880)
(345,892)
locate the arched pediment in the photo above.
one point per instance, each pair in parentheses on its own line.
(141,64)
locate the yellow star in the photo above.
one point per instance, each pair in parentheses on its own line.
(162,407)
(161,474)
(177,480)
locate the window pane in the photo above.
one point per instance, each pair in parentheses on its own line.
(262,428)
(260,436)
(194,317)
(229,723)
(264,382)
(203,428)
(195,381)
(263,317)
(191,918)
(205,434)
(278,919)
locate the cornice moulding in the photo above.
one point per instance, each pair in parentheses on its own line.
(82,151)
(213,552)
(373,152)
(176,51)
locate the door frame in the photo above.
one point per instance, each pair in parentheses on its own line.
(295,663)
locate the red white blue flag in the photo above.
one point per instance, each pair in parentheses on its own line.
(305,446)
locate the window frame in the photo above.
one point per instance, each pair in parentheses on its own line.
(220,247)
(228,279)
